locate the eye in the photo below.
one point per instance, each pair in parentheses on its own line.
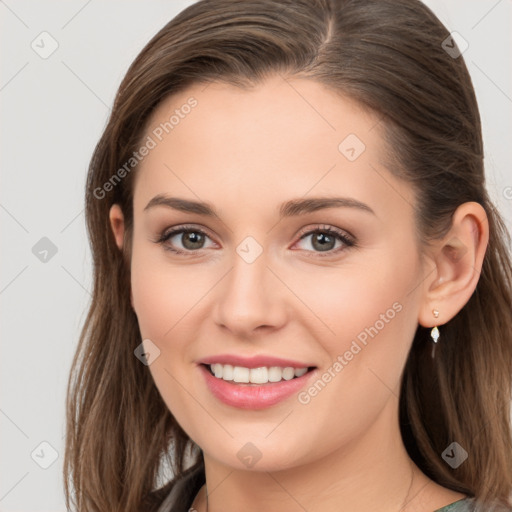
(323,239)
(191,238)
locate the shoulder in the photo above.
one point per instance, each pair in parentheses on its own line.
(178,493)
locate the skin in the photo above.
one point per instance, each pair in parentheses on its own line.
(245,152)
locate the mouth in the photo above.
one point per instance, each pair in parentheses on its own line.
(249,384)
(256,376)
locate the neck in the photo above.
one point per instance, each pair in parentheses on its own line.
(372,472)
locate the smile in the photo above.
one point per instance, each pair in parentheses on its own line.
(254,387)
(262,375)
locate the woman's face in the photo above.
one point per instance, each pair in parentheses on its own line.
(255,281)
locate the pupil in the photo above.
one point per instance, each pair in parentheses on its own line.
(192,240)
(324,240)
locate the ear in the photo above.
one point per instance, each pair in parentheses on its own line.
(457,261)
(116,218)
(117,224)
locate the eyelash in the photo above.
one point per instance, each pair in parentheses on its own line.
(346,240)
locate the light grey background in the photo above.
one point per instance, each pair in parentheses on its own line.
(53,111)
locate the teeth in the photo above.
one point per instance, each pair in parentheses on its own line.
(275,374)
(226,371)
(240,374)
(260,375)
(217,371)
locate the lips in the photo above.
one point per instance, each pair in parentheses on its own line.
(254,383)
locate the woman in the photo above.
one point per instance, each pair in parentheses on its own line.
(302,292)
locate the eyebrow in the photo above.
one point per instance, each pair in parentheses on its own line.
(290,208)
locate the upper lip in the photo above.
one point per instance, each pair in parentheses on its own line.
(253,362)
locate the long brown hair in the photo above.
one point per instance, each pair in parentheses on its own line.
(388,56)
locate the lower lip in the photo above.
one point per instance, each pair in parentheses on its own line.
(253,396)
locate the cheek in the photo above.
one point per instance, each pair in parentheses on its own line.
(373,317)
(170,302)
(358,301)
(163,299)
(369,314)
(164,294)
(155,298)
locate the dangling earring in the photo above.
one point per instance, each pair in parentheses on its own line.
(434,333)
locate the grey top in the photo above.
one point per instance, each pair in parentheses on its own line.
(185,489)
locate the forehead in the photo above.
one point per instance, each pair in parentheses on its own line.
(281,137)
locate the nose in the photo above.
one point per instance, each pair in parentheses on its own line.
(251,299)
